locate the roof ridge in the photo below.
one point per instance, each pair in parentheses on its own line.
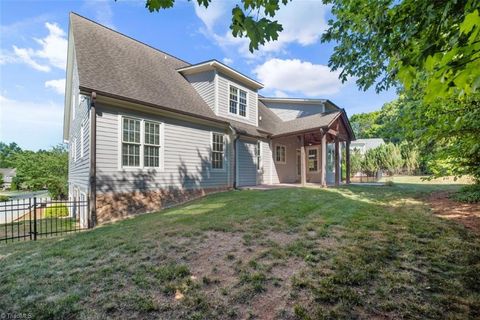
(128,37)
(321,114)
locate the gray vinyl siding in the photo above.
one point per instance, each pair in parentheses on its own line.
(286,172)
(224,100)
(286,111)
(247,166)
(186,156)
(204,83)
(79,169)
(269,173)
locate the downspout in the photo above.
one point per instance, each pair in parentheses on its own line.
(93,162)
(234,157)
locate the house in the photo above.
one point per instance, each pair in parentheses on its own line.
(362,145)
(7,175)
(147,129)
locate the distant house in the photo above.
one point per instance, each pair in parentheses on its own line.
(363,145)
(147,129)
(8,174)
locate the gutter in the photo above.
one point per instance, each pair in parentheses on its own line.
(234,157)
(147,104)
(92,221)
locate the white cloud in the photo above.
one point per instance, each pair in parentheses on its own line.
(303,23)
(57,85)
(227,60)
(25,56)
(102,11)
(215,11)
(31,124)
(298,77)
(52,53)
(280,94)
(54,46)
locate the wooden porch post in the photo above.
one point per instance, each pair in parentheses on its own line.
(303,169)
(347,160)
(337,161)
(323,159)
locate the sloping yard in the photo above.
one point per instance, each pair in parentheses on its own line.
(351,252)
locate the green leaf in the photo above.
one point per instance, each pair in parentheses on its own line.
(471,20)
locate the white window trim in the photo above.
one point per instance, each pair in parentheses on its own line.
(161,153)
(318,158)
(74,106)
(160,144)
(259,158)
(237,115)
(82,140)
(75,153)
(275,153)
(224,152)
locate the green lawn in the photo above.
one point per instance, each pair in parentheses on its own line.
(349,252)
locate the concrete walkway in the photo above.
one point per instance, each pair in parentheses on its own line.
(308,185)
(280,186)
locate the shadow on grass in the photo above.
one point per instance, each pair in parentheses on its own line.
(392,260)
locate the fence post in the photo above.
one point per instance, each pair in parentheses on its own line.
(35,218)
(30,216)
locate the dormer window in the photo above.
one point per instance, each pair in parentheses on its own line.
(238,101)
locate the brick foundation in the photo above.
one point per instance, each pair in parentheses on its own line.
(116,206)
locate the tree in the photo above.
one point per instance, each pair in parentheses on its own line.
(447,131)
(382,43)
(410,156)
(389,158)
(383,124)
(43,169)
(369,162)
(251,19)
(365,125)
(355,162)
(7,152)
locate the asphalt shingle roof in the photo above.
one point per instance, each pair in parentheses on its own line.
(114,64)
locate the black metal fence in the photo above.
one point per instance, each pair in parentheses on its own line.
(32,218)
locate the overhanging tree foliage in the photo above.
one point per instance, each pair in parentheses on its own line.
(251,19)
(384,42)
(447,132)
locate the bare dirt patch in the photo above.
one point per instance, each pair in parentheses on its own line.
(467,214)
(220,258)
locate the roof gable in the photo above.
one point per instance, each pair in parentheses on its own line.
(112,63)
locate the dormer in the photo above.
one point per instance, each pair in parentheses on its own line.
(229,93)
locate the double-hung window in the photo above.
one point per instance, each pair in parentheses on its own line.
(280,153)
(218,150)
(312,160)
(141,143)
(238,101)
(131,142)
(258,154)
(151,149)
(242,104)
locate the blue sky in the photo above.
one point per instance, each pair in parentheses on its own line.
(33,42)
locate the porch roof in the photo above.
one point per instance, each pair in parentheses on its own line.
(316,121)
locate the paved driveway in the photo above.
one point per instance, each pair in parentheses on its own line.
(18,205)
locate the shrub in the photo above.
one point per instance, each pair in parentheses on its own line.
(389,183)
(56,210)
(4,198)
(470,193)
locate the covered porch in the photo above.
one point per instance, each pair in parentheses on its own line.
(313,157)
